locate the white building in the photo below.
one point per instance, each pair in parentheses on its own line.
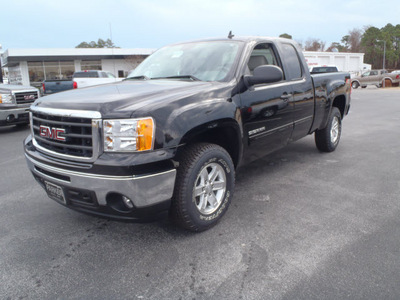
(32,66)
(346,62)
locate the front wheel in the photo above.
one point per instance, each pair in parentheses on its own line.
(327,139)
(204,186)
(355,85)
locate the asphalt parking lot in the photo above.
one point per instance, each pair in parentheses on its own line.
(302,225)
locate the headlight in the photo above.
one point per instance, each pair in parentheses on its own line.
(5,98)
(128,135)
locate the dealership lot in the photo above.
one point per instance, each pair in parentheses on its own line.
(302,225)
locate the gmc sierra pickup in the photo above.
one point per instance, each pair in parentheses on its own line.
(15,101)
(171,137)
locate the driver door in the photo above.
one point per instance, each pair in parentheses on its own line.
(267,109)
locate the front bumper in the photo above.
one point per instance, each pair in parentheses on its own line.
(12,116)
(101,194)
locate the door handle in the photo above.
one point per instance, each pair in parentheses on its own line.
(286,96)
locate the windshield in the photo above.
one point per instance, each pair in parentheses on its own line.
(206,61)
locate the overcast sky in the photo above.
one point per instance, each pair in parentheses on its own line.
(152,24)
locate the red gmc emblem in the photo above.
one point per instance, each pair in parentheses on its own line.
(52,133)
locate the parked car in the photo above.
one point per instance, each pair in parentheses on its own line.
(376,77)
(15,101)
(172,136)
(80,79)
(323,69)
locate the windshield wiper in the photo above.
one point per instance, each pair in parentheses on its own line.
(191,77)
(143,77)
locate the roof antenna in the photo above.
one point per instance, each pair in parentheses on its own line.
(230,35)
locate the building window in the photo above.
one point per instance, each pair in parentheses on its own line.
(67,69)
(50,70)
(36,72)
(91,65)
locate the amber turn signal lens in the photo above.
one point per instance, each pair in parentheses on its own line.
(145,130)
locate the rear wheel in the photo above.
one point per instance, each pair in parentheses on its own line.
(355,85)
(327,139)
(204,186)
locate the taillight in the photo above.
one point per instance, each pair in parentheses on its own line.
(398,76)
(348,83)
(44,89)
(75,85)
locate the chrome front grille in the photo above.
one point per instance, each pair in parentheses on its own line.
(66,134)
(26,97)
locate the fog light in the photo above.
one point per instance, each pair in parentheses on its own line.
(127,201)
(120,203)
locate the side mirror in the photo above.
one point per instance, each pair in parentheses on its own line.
(264,74)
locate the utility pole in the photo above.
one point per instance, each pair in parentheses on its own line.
(384,58)
(383,63)
(1,68)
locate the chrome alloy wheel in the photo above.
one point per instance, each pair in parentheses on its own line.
(209,189)
(335,130)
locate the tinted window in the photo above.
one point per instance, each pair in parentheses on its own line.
(86,75)
(323,69)
(294,70)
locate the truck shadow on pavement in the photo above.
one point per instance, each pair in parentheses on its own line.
(253,174)
(14,128)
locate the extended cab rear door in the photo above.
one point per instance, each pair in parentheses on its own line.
(298,76)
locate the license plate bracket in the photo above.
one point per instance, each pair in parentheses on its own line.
(55,192)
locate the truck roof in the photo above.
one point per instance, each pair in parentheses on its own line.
(246,39)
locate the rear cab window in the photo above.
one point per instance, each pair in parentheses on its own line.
(84,74)
(294,70)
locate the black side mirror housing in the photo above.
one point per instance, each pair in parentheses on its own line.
(264,74)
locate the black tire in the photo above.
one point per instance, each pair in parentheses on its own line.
(327,139)
(191,210)
(363,86)
(355,85)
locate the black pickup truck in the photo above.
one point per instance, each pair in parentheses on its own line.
(171,137)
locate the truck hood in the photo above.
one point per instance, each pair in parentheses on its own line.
(15,87)
(121,100)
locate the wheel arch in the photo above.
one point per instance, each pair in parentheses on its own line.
(225,133)
(340,103)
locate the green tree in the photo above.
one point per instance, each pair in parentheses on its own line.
(286,36)
(336,47)
(391,35)
(100,44)
(373,45)
(373,51)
